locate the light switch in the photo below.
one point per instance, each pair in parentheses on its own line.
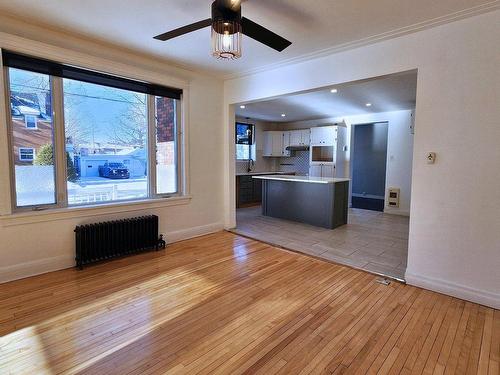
(431,157)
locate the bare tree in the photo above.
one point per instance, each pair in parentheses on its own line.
(77,128)
(131,127)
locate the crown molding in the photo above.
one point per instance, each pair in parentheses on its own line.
(428,24)
(32,29)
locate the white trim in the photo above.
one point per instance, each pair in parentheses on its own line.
(391,211)
(90,210)
(37,267)
(185,234)
(455,290)
(448,18)
(6,154)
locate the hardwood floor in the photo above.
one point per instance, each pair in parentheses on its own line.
(226,304)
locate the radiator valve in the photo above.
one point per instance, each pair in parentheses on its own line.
(161,243)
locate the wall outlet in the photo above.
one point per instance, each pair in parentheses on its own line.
(393,197)
(431,157)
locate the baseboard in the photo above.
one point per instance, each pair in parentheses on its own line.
(396,212)
(37,267)
(455,290)
(186,234)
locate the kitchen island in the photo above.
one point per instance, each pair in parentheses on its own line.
(248,190)
(318,201)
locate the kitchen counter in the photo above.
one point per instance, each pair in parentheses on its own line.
(309,179)
(261,173)
(318,201)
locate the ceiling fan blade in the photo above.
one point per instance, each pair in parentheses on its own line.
(263,35)
(184,29)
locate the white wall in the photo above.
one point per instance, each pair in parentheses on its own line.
(39,242)
(454,242)
(399,149)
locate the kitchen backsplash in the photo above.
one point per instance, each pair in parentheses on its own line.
(262,164)
(299,163)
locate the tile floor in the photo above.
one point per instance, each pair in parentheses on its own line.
(371,240)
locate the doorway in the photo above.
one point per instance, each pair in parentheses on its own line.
(369,160)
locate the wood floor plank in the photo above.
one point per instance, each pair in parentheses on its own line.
(225,304)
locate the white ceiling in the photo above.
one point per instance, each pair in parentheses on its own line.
(388,93)
(311,25)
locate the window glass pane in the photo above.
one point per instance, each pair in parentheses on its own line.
(32,137)
(244,141)
(244,134)
(166,145)
(242,152)
(106,143)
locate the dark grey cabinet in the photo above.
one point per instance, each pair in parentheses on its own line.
(249,190)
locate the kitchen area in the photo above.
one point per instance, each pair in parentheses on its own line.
(294,174)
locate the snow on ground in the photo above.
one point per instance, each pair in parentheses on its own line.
(35,186)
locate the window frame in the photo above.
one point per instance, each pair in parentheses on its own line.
(33,151)
(60,178)
(250,146)
(26,122)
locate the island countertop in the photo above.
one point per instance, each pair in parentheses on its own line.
(261,173)
(310,179)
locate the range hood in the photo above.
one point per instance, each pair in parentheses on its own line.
(297,148)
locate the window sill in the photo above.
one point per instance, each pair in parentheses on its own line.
(91,210)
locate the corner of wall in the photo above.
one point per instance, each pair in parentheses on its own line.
(452,289)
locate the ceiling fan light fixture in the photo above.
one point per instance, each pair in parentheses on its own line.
(226,39)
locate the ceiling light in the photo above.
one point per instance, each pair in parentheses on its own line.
(226,39)
(227,26)
(283,115)
(368,104)
(333,91)
(242,106)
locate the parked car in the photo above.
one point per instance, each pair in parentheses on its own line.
(114,170)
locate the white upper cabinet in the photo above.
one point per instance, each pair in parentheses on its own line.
(286,142)
(306,136)
(299,137)
(295,138)
(323,136)
(273,143)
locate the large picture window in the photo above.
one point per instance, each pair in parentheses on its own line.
(106,133)
(113,139)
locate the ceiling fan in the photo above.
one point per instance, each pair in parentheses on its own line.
(227,26)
